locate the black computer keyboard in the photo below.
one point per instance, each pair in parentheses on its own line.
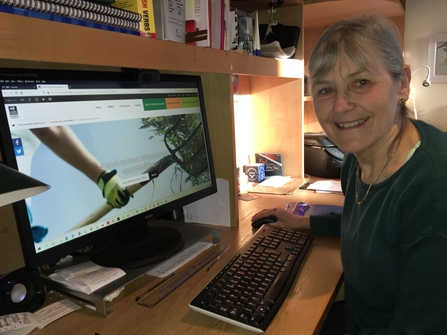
(251,288)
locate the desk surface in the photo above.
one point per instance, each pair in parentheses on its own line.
(303,311)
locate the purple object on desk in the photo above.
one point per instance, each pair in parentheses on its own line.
(297,208)
(301,208)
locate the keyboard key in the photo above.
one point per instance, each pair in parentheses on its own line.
(256,319)
(223,309)
(276,287)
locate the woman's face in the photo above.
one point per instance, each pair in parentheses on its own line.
(357,107)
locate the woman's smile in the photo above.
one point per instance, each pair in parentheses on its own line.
(351,124)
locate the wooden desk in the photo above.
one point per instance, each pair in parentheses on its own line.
(303,311)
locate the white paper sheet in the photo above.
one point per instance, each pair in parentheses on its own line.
(179,260)
(326,186)
(55,311)
(275,181)
(18,323)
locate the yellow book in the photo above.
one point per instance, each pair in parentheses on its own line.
(143,7)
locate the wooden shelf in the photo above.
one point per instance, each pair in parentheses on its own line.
(323,13)
(36,40)
(250,6)
(261,66)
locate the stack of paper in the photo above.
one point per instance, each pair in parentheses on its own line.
(326,186)
(86,277)
(274,50)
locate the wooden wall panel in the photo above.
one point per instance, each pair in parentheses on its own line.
(278,121)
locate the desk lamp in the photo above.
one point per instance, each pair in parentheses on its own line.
(20,290)
(15,186)
(426,82)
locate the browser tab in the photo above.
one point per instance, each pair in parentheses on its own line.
(40,86)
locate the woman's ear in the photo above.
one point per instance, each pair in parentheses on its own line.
(405,80)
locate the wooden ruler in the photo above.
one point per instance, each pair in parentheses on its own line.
(168,284)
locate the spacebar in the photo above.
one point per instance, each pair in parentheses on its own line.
(276,287)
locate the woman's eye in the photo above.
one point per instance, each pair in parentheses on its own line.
(362,82)
(324,91)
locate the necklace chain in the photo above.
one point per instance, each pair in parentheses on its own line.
(359,202)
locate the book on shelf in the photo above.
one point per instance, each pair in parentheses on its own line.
(170,20)
(223,25)
(71,12)
(197,11)
(63,19)
(190,22)
(217,24)
(145,9)
(231,29)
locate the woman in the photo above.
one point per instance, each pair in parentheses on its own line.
(393,227)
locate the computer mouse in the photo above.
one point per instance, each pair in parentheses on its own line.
(260,222)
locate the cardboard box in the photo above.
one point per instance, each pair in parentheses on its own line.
(255,172)
(272,162)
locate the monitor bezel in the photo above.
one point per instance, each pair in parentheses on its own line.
(33,259)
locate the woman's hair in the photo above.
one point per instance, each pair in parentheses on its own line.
(367,40)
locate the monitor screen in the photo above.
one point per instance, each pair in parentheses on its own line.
(118,150)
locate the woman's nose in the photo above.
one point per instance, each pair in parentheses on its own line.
(342,102)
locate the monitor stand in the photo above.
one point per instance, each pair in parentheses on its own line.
(135,277)
(143,245)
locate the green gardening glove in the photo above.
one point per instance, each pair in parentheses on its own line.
(110,185)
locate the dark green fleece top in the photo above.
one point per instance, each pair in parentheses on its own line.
(394,245)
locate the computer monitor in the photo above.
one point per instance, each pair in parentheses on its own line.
(119,150)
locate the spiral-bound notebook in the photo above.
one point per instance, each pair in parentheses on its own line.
(61,13)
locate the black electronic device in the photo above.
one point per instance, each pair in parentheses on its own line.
(268,219)
(147,130)
(21,291)
(322,158)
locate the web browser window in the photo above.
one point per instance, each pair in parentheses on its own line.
(130,130)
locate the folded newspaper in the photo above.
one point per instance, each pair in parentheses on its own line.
(274,50)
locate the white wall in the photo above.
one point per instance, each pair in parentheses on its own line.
(422,19)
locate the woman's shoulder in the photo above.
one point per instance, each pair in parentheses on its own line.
(430,134)
(425,172)
(432,151)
